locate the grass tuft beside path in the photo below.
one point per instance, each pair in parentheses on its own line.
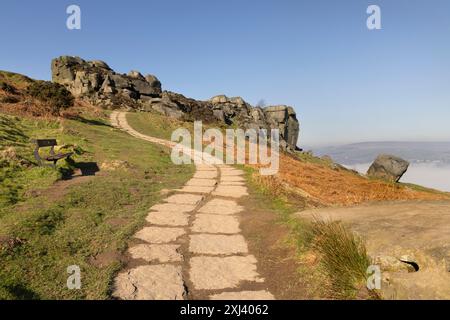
(332,260)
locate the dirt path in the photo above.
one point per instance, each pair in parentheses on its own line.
(192,246)
(411,231)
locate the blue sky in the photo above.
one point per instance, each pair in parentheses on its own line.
(347,84)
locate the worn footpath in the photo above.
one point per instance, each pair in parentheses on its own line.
(192,246)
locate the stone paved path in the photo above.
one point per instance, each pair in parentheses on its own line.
(192,246)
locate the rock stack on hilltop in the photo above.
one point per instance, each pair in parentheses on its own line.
(96,82)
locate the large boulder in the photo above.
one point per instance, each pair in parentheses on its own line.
(284,118)
(238,112)
(388,167)
(99,64)
(233,110)
(191,109)
(64,68)
(145,88)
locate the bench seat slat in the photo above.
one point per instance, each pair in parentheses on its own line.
(46,142)
(58,156)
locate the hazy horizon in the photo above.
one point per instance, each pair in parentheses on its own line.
(429,161)
(340,144)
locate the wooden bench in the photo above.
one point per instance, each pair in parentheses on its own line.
(52,157)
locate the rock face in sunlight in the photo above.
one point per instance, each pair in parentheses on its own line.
(96,82)
(286,119)
(388,167)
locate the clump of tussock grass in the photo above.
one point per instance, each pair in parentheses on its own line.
(343,257)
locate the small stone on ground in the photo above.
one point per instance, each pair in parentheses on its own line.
(202,182)
(205,175)
(193,199)
(221,206)
(155,282)
(209,273)
(232,179)
(217,244)
(231,173)
(207,223)
(230,191)
(196,189)
(171,207)
(168,219)
(161,253)
(159,234)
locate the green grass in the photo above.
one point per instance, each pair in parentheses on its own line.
(156,125)
(15,134)
(14,79)
(423,189)
(159,126)
(343,257)
(86,223)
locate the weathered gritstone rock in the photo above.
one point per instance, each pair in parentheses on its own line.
(205,175)
(220,206)
(161,253)
(243,295)
(388,167)
(96,82)
(217,244)
(285,119)
(409,231)
(196,189)
(232,179)
(230,191)
(168,219)
(159,234)
(208,223)
(205,167)
(231,173)
(185,199)
(219,263)
(172,207)
(202,182)
(155,282)
(212,273)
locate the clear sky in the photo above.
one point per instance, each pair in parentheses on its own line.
(347,84)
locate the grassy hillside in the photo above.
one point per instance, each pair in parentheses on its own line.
(51,219)
(21,95)
(155,125)
(319,180)
(48,224)
(159,126)
(331,186)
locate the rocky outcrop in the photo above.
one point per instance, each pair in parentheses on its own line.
(285,119)
(98,83)
(388,167)
(237,111)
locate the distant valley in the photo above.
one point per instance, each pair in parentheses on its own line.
(367,151)
(430,161)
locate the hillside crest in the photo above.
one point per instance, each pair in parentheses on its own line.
(96,82)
